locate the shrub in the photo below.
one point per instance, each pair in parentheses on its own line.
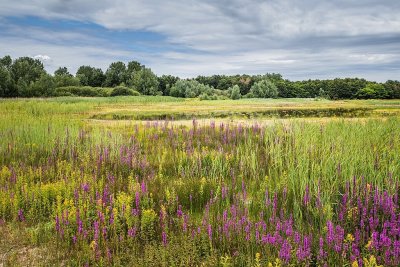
(81,91)
(190,89)
(372,90)
(122,90)
(235,92)
(264,89)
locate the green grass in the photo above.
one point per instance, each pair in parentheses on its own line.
(50,149)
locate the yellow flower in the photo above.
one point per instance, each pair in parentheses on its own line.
(368,245)
(349,238)
(258,255)
(354,264)
(93,245)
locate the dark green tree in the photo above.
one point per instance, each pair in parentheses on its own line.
(24,71)
(145,82)
(90,76)
(116,74)
(62,77)
(165,82)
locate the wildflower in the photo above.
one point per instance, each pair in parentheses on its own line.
(354,264)
(164,238)
(93,245)
(284,253)
(21,216)
(349,238)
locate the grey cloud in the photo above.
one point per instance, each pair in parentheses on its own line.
(301,39)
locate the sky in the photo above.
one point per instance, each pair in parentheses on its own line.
(300,39)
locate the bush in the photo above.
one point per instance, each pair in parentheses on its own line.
(122,90)
(373,90)
(264,89)
(81,91)
(235,92)
(190,89)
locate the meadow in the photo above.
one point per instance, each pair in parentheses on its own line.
(163,181)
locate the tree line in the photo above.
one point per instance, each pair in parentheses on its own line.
(27,77)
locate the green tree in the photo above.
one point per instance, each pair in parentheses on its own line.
(6,61)
(44,86)
(62,78)
(6,83)
(165,83)
(116,74)
(264,89)
(24,71)
(235,92)
(372,91)
(190,89)
(393,89)
(90,76)
(145,82)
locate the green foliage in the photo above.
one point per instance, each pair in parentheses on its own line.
(116,74)
(18,79)
(145,82)
(6,82)
(42,87)
(81,91)
(190,89)
(124,91)
(373,90)
(24,71)
(148,225)
(235,92)
(264,89)
(166,82)
(90,76)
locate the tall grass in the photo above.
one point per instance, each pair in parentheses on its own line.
(158,194)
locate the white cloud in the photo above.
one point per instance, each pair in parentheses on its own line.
(42,57)
(301,39)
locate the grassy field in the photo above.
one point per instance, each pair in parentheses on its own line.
(162,181)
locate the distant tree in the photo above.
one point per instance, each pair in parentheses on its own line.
(6,61)
(24,71)
(190,89)
(116,74)
(6,83)
(165,83)
(373,90)
(62,78)
(264,89)
(134,66)
(235,92)
(44,86)
(392,88)
(62,71)
(146,82)
(90,76)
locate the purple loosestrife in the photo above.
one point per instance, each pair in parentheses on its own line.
(164,238)
(21,216)
(285,252)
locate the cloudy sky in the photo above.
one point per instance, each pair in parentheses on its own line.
(299,39)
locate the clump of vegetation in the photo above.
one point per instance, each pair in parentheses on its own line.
(82,91)
(264,89)
(26,77)
(123,91)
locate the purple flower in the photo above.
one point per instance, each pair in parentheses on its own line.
(284,252)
